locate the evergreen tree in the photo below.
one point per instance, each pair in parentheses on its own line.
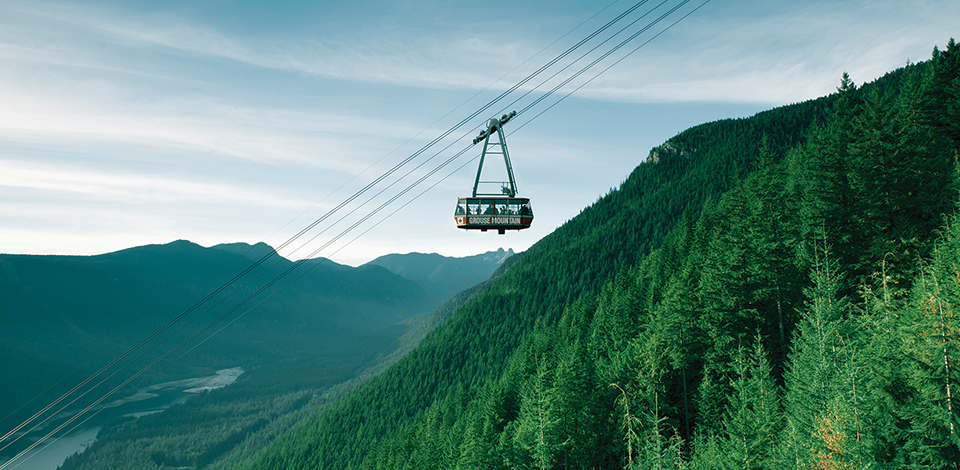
(574,403)
(942,92)
(629,424)
(537,430)
(816,413)
(708,453)
(485,420)
(884,385)
(830,198)
(752,420)
(660,443)
(615,320)
(774,230)
(931,335)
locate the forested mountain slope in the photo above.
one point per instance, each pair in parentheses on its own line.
(64,312)
(65,316)
(808,319)
(402,411)
(223,428)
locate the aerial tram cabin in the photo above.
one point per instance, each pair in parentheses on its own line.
(500,212)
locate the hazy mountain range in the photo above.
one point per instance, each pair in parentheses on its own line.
(72,314)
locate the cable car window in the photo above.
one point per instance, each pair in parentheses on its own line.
(526,209)
(460,208)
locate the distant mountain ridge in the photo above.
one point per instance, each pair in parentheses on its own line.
(442,276)
(64,312)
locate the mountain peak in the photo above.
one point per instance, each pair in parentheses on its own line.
(499,256)
(255,252)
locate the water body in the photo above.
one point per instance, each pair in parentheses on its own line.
(147,400)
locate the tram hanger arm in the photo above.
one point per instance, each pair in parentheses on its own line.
(493,124)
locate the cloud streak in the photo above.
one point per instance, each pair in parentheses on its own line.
(790,54)
(134,188)
(789,51)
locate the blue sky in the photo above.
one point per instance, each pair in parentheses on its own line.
(125,123)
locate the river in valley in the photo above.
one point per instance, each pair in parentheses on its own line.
(152,399)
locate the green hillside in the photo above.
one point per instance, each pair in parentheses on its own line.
(397,411)
(223,428)
(805,320)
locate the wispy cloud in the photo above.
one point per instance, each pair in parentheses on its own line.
(133,188)
(778,52)
(781,53)
(426,61)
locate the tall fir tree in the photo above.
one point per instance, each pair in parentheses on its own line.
(931,347)
(829,196)
(752,419)
(574,404)
(660,442)
(817,418)
(537,432)
(942,92)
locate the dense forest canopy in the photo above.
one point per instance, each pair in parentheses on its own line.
(807,319)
